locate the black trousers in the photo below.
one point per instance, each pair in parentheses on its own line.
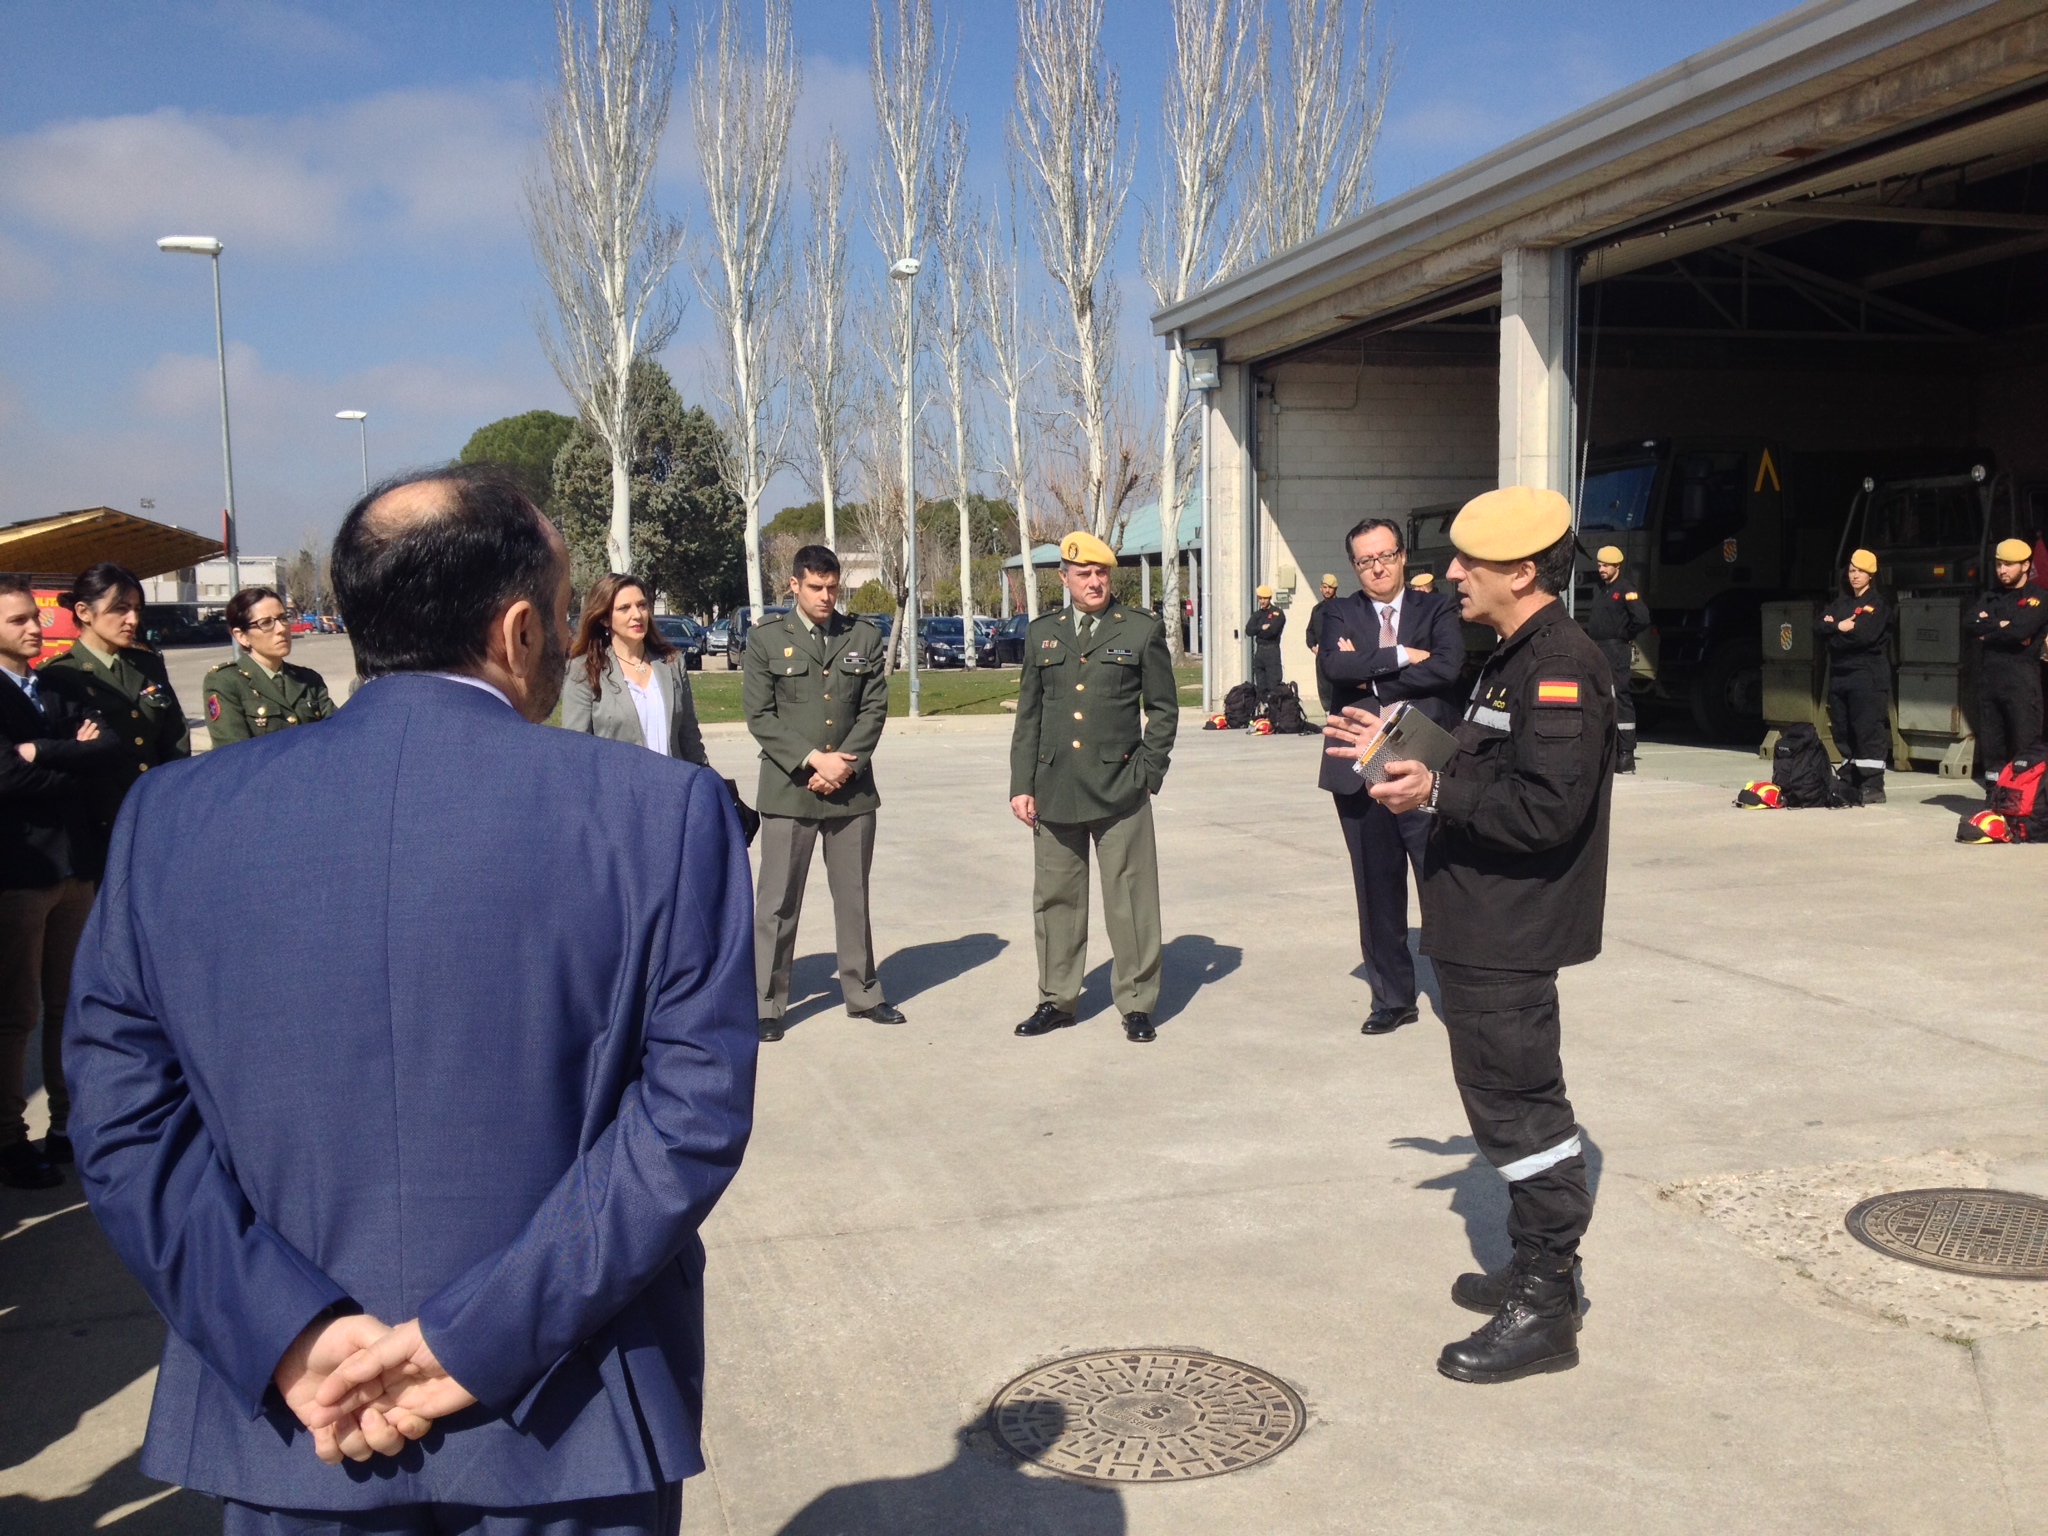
(1266,671)
(1859,709)
(2008,713)
(1503,1027)
(656,1513)
(1619,662)
(1383,846)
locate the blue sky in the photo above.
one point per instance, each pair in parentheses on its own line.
(363,163)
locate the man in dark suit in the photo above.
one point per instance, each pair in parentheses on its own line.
(1385,643)
(509,1073)
(49,749)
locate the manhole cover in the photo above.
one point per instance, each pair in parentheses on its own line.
(1146,1416)
(1969,1231)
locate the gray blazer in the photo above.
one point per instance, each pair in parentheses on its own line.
(611,714)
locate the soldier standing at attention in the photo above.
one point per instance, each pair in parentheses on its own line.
(1264,627)
(261,693)
(1618,616)
(816,700)
(1514,886)
(1856,627)
(1097,709)
(2008,624)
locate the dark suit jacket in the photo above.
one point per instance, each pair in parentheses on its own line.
(46,825)
(1372,676)
(506,1076)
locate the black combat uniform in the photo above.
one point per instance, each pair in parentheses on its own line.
(1264,627)
(1312,632)
(1514,886)
(1860,687)
(2009,625)
(1619,615)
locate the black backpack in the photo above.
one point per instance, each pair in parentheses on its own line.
(1803,774)
(1284,710)
(1239,705)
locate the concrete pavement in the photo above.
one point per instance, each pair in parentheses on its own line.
(1787,1000)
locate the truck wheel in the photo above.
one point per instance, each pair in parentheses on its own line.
(1727,694)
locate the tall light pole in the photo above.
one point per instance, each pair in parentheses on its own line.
(206,245)
(363,433)
(905,272)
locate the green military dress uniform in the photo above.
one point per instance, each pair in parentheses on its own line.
(1097,709)
(132,695)
(815,690)
(244,700)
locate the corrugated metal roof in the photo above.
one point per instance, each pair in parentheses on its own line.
(69,542)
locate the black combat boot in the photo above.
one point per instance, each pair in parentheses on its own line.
(1872,785)
(1626,763)
(1534,1331)
(1486,1293)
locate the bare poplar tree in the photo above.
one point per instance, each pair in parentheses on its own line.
(742,105)
(877,448)
(821,361)
(953,335)
(1068,133)
(604,249)
(1189,240)
(1009,368)
(1319,123)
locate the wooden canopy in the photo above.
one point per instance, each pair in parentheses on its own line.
(66,544)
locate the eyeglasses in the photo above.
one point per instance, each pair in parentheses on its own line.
(275,622)
(1377,562)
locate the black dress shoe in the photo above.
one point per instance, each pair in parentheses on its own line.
(881,1013)
(1384,1021)
(57,1149)
(23,1167)
(1045,1018)
(1535,1330)
(771,1030)
(1138,1028)
(1489,1292)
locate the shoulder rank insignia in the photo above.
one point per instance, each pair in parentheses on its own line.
(1557,691)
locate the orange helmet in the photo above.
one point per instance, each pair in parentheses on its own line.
(1263,727)
(1760,795)
(1984,827)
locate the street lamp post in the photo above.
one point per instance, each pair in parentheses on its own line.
(206,245)
(905,271)
(360,418)
(1205,373)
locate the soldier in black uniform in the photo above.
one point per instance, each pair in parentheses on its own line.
(1514,886)
(2008,624)
(1857,627)
(1313,633)
(1618,616)
(1264,627)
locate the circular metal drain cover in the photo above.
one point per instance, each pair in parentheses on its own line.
(1146,1416)
(1988,1232)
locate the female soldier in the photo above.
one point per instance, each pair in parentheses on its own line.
(1856,628)
(123,682)
(261,693)
(625,681)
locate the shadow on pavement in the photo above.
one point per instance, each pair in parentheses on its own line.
(977,1493)
(1187,964)
(137,1505)
(1962,805)
(814,979)
(1479,1196)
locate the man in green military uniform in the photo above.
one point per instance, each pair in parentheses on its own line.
(261,693)
(1096,714)
(816,700)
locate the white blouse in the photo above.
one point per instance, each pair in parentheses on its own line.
(653,712)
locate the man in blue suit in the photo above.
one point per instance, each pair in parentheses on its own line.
(421,1207)
(1382,644)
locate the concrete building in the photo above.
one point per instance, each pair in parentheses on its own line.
(1825,234)
(216,584)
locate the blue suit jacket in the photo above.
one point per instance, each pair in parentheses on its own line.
(487,1058)
(1372,675)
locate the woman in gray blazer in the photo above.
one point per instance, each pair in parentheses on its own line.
(627,683)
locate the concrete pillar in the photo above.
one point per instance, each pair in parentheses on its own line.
(1227,535)
(1145,582)
(1538,310)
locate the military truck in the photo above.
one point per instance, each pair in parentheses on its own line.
(1713,530)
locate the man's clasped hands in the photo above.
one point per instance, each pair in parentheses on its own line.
(364,1388)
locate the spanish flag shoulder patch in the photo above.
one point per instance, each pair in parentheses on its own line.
(1557,691)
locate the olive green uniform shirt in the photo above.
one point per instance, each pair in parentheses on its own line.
(244,701)
(1096,718)
(811,691)
(133,698)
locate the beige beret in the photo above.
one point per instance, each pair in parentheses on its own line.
(1512,523)
(1329,580)
(1083,548)
(1864,561)
(1422,581)
(1265,591)
(1609,554)
(2012,551)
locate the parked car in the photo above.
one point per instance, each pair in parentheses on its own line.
(718,637)
(1009,641)
(985,642)
(939,643)
(736,632)
(686,635)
